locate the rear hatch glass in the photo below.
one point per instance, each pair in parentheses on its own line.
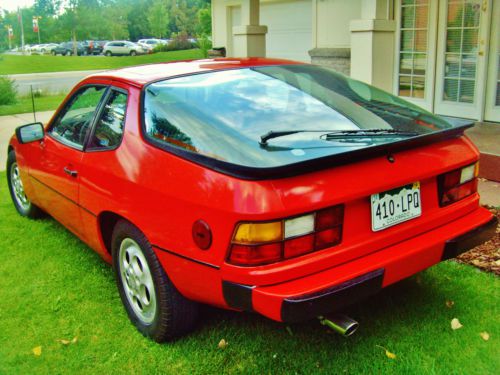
(275,116)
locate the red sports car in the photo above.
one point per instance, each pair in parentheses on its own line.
(260,185)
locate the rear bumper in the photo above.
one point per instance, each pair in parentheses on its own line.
(335,288)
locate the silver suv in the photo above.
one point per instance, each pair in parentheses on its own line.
(123,47)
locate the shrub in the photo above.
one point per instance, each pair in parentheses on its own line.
(178,42)
(7,91)
(204,44)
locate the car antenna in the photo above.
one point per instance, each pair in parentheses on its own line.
(33,102)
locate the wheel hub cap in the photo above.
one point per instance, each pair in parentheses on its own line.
(137,280)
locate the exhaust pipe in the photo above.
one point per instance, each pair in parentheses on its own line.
(340,323)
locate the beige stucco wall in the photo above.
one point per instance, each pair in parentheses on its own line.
(330,21)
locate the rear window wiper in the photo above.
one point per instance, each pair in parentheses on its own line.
(367,132)
(335,133)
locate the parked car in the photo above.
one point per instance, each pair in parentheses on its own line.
(151,42)
(261,185)
(123,47)
(66,49)
(96,47)
(47,48)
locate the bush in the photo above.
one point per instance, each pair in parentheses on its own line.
(178,42)
(7,91)
(204,44)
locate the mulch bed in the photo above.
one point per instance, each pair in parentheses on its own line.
(486,256)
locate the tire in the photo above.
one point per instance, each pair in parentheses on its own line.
(21,202)
(152,302)
(65,53)
(108,53)
(133,53)
(53,53)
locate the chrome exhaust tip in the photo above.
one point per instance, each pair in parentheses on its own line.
(340,323)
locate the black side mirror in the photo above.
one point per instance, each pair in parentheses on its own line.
(30,133)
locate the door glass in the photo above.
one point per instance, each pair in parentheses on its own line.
(72,125)
(109,129)
(413,47)
(462,42)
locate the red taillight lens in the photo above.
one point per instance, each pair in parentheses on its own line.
(330,217)
(252,255)
(267,242)
(298,246)
(457,184)
(328,238)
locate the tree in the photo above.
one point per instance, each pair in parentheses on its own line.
(158,18)
(204,21)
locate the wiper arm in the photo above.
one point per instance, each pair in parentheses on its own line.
(367,132)
(275,134)
(335,133)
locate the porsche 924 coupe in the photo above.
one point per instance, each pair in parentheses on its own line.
(262,185)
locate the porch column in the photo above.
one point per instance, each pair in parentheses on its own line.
(372,44)
(249,38)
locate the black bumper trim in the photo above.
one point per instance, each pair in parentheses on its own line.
(237,296)
(308,306)
(469,240)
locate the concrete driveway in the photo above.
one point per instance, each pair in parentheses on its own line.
(9,123)
(55,83)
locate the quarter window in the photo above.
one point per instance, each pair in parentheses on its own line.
(109,129)
(74,122)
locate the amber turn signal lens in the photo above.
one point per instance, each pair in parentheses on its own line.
(248,233)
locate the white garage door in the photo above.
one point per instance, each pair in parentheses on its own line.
(289,25)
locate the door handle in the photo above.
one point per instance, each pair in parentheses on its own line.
(70,172)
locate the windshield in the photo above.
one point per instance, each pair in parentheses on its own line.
(224,115)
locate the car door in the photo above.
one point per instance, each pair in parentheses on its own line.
(55,168)
(120,48)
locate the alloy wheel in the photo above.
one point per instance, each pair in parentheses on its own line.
(137,280)
(18,188)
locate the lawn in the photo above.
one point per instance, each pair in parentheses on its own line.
(18,64)
(24,104)
(55,288)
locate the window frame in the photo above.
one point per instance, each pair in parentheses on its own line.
(63,111)
(106,97)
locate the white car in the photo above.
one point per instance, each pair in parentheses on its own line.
(151,42)
(123,47)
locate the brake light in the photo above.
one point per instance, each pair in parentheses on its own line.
(256,244)
(457,184)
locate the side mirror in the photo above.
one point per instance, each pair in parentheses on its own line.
(30,133)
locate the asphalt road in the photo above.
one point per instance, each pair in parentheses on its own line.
(56,83)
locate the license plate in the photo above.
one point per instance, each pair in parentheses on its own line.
(395,206)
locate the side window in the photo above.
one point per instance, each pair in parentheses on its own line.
(109,129)
(72,125)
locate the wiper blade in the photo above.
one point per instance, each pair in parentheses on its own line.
(367,132)
(335,133)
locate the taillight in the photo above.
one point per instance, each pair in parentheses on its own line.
(255,244)
(457,184)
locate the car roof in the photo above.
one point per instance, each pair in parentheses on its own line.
(143,74)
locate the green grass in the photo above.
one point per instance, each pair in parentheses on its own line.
(18,64)
(24,105)
(54,287)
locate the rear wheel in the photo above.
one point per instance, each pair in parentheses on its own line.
(133,53)
(152,302)
(53,53)
(16,188)
(108,53)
